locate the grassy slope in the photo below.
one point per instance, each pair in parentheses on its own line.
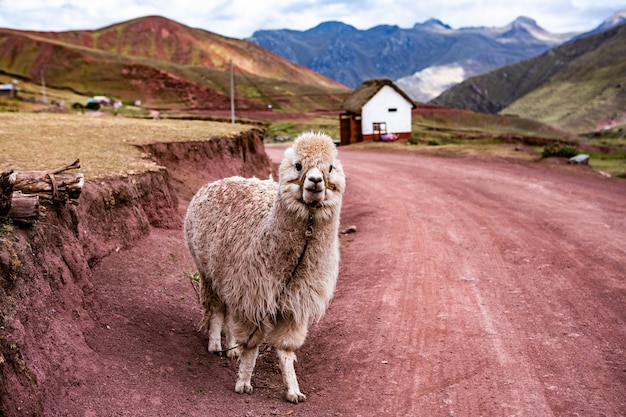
(589,90)
(104,145)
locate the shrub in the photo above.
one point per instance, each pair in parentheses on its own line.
(558,150)
(9,107)
(92,105)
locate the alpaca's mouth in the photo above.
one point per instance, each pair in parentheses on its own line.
(313,195)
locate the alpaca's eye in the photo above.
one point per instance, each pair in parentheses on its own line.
(298,166)
(330,169)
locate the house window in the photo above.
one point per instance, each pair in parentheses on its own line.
(392,109)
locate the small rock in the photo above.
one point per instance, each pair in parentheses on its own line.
(350,229)
(582,158)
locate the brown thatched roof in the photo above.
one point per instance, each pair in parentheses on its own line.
(366,91)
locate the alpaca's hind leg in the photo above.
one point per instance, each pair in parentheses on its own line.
(232,348)
(247,360)
(286,358)
(213,316)
(216,322)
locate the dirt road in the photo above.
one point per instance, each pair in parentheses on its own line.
(472,287)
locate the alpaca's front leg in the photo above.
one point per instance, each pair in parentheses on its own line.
(247,360)
(286,358)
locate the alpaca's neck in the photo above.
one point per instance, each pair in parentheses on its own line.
(296,221)
(281,221)
(285,231)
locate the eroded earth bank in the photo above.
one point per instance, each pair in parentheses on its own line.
(49,296)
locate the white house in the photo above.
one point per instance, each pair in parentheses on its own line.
(376,108)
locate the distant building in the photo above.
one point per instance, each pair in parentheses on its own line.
(377,108)
(8,90)
(102,100)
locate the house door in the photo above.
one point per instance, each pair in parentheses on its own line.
(379,129)
(350,128)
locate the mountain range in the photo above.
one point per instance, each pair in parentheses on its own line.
(168,65)
(164,64)
(424,60)
(575,86)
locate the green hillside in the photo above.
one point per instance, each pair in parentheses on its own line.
(164,64)
(575,87)
(585,94)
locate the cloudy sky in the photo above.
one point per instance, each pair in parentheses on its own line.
(240,18)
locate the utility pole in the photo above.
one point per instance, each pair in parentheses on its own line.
(232,94)
(43,88)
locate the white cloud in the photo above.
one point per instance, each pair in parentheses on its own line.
(430,82)
(240,18)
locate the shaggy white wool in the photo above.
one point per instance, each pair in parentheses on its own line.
(246,236)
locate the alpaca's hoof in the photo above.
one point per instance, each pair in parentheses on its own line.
(296,397)
(242,387)
(215,346)
(234,353)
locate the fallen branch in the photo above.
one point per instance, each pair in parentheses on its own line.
(21,192)
(73,165)
(52,185)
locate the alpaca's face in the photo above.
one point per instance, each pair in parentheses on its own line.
(311,174)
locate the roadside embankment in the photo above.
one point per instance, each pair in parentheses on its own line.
(47,298)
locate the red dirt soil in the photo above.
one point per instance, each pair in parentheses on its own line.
(471,287)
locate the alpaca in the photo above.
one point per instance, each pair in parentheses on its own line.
(268,256)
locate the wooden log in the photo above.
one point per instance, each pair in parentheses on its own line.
(20,192)
(7,180)
(24,207)
(52,185)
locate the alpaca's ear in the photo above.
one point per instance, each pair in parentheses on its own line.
(290,153)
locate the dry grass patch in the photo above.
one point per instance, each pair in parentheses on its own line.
(104,145)
(501,150)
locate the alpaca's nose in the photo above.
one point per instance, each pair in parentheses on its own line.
(313,192)
(316,179)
